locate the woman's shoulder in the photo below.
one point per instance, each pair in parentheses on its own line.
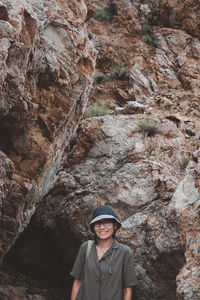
(84,245)
(126,249)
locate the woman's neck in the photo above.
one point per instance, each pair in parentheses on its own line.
(105,244)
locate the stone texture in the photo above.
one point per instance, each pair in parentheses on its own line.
(189,276)
(138,175)
(176,14)
(131,108)
(143,161)
(187,207)
(6,172)
(47,64)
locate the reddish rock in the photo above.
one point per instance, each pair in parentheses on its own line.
(145,163)
(47,64)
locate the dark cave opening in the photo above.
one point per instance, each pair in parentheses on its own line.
(163,272)
(45,258)
(5,136)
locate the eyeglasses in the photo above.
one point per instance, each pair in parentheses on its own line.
(105,223)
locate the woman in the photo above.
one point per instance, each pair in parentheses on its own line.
(107,272)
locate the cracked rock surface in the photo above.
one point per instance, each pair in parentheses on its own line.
(99,104)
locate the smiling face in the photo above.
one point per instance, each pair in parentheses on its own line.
(105,229)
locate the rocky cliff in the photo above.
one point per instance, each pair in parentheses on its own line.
(99,104)
(47,66)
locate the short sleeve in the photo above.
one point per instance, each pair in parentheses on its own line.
(129,276)
(79,264)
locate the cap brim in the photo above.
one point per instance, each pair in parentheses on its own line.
(104,217)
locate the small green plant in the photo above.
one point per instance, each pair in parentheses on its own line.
(146,29)
(149,127)
(149,37)
(104,14)
(100,78)
(167,105)
(151,41)
(118,72)
(98,109)
(184,161)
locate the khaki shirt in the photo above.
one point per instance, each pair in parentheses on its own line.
(104,279)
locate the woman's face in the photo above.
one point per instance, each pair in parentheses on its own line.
(105,229)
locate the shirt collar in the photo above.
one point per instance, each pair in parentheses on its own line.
(115,244)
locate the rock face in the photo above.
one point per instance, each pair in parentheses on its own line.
(138,174)
(186,204)
(142,158)
(47,64)
(176,14)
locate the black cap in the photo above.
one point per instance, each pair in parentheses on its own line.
(104,212)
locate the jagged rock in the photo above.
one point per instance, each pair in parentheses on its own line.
(176,14)
(198,135)
(145,10)
(186,194)
(6,172)
(47,66)
(140,164)
(136,175)
(186,204)
(131,108)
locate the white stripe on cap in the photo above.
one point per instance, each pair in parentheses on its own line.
(103,217)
